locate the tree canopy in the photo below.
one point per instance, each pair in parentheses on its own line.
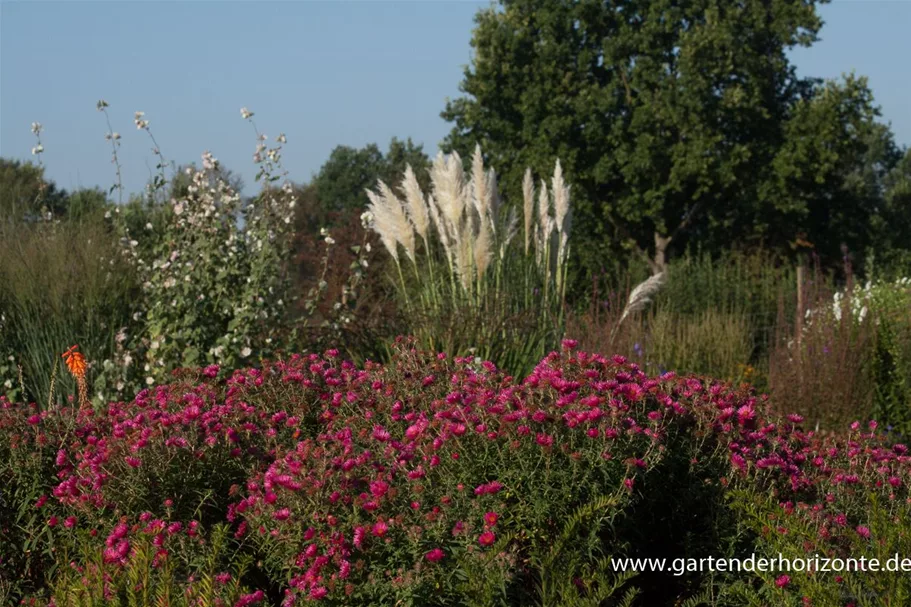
(341,182)
(24,191)
(678,121)
(27,195)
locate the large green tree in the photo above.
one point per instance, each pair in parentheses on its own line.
(828,177)
(674,119)
(893,222)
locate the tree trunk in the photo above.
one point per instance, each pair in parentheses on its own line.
(660,262)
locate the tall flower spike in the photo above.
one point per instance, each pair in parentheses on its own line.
(75,361)
(77,366)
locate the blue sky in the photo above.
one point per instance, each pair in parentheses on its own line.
(324,73)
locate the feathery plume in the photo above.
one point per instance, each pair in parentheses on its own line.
(528,194)
(512,228)
(562,212)
(495,202)
(561,197)
(448,187)
(543,207)
(545,225)
(463,262)
(479,182)
(640,297)
(390,221)
(414,198)
(445,238)
(383,224)
(404,230)
(482,245)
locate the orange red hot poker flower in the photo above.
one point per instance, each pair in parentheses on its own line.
(77,365)
(75,361)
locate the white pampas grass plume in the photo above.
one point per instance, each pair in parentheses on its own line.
(545,227)
(445,238)
(562,212)
(479,183)
(482,246)
(448,187)
(543,206)
(404,232)
(463,262)
(383,224)
(561,197)
(512,228)
(640,297)
(390,221)
(495,203)
(414,199)
(563,248)
(528,194)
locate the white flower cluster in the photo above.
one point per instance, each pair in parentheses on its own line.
(872,296)
(140,122)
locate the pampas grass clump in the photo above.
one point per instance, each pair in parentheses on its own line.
(470,265)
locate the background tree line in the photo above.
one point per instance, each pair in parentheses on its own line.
(681,125)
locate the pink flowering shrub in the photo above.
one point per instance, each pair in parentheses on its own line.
(849,499)
(27,516)
(147,562)
(428,460)
(426,464)
(432,480)
(175,449)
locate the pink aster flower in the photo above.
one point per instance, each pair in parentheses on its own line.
(282,515)
(379,488)
(380,528)
(435,556)
(570,344)
(487,538)
(544,440)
